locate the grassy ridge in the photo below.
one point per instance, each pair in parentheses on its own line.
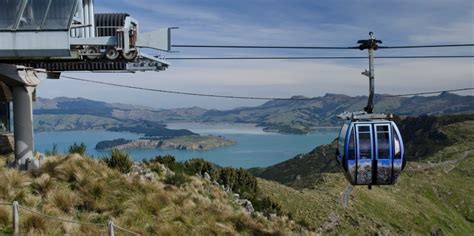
(84,189)
(435,195)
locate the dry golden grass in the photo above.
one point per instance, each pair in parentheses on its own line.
(5,216)
(13,185)
(83,189)
(34,225)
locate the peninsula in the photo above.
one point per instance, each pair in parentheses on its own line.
(188,142)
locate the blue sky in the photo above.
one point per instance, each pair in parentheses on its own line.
(297,22)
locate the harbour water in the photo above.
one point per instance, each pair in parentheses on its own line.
(253,148)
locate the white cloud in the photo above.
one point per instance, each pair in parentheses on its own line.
(458,32)
(176,10)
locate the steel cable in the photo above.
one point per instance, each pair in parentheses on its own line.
(241,97)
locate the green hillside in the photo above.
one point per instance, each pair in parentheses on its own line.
(319,160)
(434,195)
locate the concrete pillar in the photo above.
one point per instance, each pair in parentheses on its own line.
(22,82)
(23,123)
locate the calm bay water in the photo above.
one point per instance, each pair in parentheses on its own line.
(254,147)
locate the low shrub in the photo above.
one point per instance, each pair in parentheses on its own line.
(177,179)
(199,166)
(166,160)
(155,167)
(54,151)
(170,162)
(119,160)
(78,149)
(267,206)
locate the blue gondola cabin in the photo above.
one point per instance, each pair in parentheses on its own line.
(370,152)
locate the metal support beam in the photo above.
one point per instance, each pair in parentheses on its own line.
(370,104)
(371,45)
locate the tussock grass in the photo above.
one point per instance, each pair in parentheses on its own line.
(84,189)
(34,225)
(5,216)
(64,199)
(13,185)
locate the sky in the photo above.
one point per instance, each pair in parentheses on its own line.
(287,23)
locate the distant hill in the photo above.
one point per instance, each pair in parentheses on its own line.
(302,116)
(66,114)
(82,106)
(297,117)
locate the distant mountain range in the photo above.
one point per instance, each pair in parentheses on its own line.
(285,116)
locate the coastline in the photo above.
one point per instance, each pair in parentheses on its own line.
(247,128)
(188,143)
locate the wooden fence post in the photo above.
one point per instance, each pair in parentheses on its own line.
(111,228)
(15,219)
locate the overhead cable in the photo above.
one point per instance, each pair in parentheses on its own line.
(323,57)
(427,46)
(238,97)
(257,47)
(317,47)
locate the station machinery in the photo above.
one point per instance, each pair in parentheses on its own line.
(42,38)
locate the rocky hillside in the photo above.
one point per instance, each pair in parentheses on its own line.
(149,199)
(434,195)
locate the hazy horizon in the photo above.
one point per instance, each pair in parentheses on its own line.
(257,103)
